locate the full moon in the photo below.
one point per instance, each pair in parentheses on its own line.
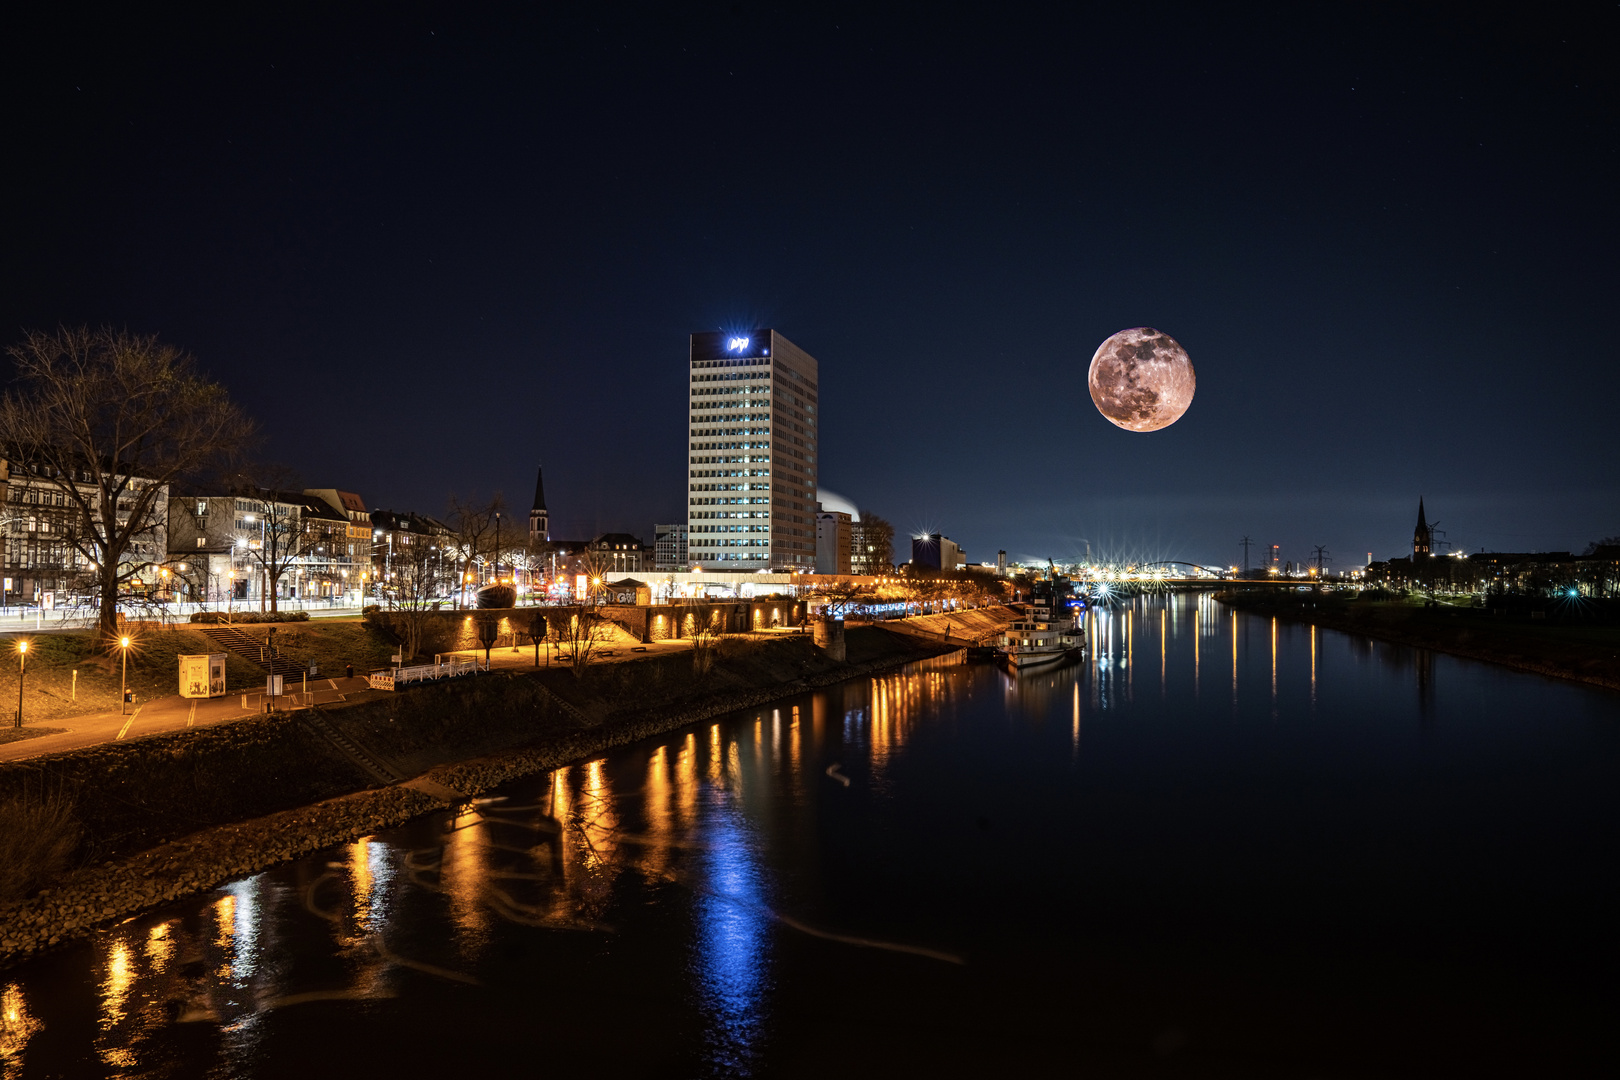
(1141,379)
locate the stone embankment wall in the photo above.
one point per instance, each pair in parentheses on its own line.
(463,736)
(964,627)
(457,631)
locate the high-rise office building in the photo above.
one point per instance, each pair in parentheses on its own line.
(751,480)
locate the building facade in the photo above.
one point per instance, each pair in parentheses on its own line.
(39,519)
(834,533)
(669,549)
(224,548)
(345,560)
(325,567)
(753,410)
(619,553)
(937,551)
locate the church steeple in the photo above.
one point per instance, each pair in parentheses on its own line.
(1423,535)
(539,519)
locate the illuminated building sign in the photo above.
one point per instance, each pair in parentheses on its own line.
(734,345)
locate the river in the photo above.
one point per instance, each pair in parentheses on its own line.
(1217,846)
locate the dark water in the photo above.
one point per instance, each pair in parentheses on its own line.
(1218,847)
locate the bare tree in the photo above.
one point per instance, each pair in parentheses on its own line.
(412,599)
(706,629)
(520,558)
(109,420)
(580,635)
(878,554)
(842,599)
(473,524)
(272,533)
(923,587)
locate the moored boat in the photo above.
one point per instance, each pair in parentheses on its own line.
(1045,634)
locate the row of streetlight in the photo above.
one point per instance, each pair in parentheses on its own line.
(22,674)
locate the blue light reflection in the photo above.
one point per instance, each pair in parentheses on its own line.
(733,936)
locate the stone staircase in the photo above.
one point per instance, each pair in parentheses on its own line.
(380,769)
(235,640)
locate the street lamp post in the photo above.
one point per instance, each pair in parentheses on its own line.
(22,669)
(123,682)
(264,567)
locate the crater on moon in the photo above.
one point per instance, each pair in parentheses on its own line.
(1141,379)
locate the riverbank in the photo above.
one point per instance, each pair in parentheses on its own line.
(276,789)
(1588,654)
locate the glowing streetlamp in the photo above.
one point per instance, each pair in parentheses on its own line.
(22,669)
(123,682)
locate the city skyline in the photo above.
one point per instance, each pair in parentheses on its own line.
(1383,242)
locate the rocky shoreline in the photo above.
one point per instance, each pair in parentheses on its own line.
(95,896)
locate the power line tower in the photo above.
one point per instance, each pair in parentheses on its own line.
(1245,542)
(1322,555)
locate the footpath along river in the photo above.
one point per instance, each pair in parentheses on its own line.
(1217,846)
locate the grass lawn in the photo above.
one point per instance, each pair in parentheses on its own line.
(330,644)
(50,690)
(18,734)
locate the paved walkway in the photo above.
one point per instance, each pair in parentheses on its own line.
(173,713)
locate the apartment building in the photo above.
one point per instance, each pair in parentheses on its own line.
(40,521)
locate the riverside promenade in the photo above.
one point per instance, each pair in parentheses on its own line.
(172,713)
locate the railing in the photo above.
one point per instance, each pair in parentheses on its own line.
(395,678)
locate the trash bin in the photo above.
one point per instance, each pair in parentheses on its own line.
(348,671)
(129,696)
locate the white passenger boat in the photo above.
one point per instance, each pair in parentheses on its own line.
(1046,634)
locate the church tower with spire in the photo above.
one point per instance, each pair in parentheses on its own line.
(539,520)
(1423,535)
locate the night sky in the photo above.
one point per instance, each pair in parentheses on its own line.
(429,249)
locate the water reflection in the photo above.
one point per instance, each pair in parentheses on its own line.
(17,1026)
(732,944)
(735,824)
